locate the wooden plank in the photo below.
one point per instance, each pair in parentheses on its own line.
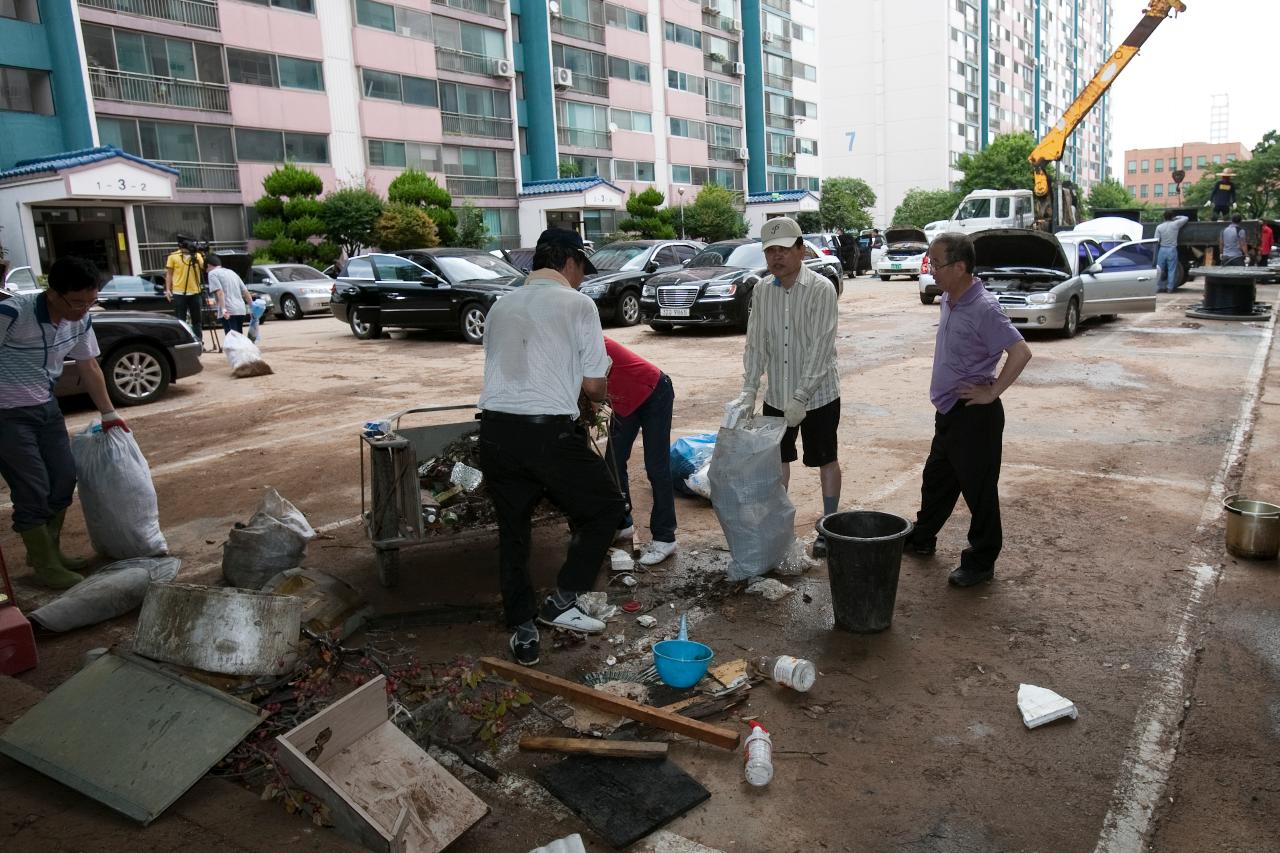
(346,721)
(349,820)
(595,746)
(647,714)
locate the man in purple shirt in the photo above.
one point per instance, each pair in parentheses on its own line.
(964,459)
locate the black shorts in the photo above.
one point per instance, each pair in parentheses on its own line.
(818,429)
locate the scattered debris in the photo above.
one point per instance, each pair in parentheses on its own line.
(274,539)
(568,844)
(465,476)
(620,560)
(646,620)
(589,720)
(770,588)
(329,605)
(632,606)
(595,746)
(1040,705)
(597,604)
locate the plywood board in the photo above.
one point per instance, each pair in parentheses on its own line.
(129,734)
(595,746)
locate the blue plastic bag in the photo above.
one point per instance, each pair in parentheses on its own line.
(688,455)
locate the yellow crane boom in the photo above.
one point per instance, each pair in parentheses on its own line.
(1051,147)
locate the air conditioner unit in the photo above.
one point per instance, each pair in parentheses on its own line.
(710,8)
(739,69)
(732,25)
(767,38)
(504,68)
(563,78)
(744,154)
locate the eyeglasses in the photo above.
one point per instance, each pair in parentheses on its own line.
(77,305)
(937,265)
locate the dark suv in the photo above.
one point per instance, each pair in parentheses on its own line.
(421,289)
(624,268)
(714,288)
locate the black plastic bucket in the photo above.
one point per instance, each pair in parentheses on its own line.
(864,554)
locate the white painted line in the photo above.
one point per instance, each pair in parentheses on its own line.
(1156,732)
(1132,479)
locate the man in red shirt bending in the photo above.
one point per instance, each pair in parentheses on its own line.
(642,398)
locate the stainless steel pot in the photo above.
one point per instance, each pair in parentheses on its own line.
(1253,528)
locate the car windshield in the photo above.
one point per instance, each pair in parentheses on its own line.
(477,267)
(740,255)
(619,258)
(974,208)
(819,240)
(297,272)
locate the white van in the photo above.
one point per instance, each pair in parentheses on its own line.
(983,209)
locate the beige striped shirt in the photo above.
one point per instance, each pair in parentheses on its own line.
(791,336)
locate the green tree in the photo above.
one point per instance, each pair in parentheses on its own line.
(290,220)
(1257,181)
(420,190)
(350,216)
(570,169)
(809,221)
(405,226)
(472,232)
(715,215)
(920,207)
(1002,165)
(645,219)
(1107,193)
(845,203)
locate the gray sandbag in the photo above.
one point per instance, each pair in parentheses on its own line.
(117,495)
(274,539)
(107,593)
(757,517)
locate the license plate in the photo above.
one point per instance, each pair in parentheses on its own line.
(897,266)
(673,312)
(324,304)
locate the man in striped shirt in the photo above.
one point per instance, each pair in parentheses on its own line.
(791,336)
(38,331)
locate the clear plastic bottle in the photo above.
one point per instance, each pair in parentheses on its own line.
(796,673)
(758,754)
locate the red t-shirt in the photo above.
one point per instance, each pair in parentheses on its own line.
(631,378)
(1265,246)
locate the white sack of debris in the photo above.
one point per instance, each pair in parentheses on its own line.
(1040,705)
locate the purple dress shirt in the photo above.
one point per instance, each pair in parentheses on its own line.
(972,334)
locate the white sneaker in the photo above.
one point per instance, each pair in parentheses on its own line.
(625,533)
(657,552)
(573,617)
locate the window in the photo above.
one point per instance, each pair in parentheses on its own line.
(274,146)
(687,128)
(724,135)
(470,38)
(267,69)
(1173,189)
(685,82)
(292,5)
(1202,161)
(1217,159)
(729,178)
(695,175)
(633,170)
(583,63)
(625,69)
(1158,190)
(383,85)
(589,167)
(1134,256)
(682,35)
(143,53)
(1231,158)
(474,101)
(723,93)
(629,120)
(171,141)
(358,268)
(20,10)
(1186,162)
(395,19)
(628,19)
(25,90)
(395,268)
(1159,165)
(806,146)
(1142,191)
(1146,166)
(404,155)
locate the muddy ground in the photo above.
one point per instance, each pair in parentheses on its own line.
(1114,589)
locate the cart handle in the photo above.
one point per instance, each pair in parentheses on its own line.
(395,419)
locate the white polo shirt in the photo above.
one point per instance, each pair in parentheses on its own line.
(540,341)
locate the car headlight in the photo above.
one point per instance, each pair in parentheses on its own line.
(1047,298)
(648,291)
(595,291)
(722,289)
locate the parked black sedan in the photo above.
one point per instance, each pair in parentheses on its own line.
(133,293)
(141,354)
(714,288)
(625,267)
(421,289)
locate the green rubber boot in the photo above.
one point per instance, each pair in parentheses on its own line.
(75,564)
(42,556)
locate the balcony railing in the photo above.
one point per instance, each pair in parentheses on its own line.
(780,5)
(717,21)
(589,85)
(574,28)
(715,108)
(111,85)
(719,65)
(214,177)
(468,63)
(782,161)
(153,255)
(583,138)
(719,152)
(777,43)
(193,13)
(492,8)
(778,82)
(779,122)
(460,185)
(457,124)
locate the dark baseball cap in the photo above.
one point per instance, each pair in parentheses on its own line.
(567,239)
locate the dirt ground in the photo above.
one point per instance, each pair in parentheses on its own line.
(1114,589)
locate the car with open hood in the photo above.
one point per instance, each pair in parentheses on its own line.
(624,267)
(1054,282)
(904,250)
(714,288)
(421,289)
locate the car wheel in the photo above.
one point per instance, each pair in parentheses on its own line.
(364,331)
(926,299)
(136,374)
(628,308)
(660,327)
(290,307)
(1072,323)
(885,277)
(472,323)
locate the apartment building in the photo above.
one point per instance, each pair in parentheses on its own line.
(539,112)
(910,85)
(1148,172)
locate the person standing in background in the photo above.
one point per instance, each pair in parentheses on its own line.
(1223,197)
(1167,254)
(233,297)
(183,271)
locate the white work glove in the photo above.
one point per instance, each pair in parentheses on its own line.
(739,408)
(794,413)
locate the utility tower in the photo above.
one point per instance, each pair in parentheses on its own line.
(1219,118)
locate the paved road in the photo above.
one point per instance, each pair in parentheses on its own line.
(1118,448)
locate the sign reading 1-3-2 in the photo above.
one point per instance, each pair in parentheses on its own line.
(119,180)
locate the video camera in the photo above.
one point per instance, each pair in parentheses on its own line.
(192,245)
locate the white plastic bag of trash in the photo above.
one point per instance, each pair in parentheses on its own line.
(1040,705)
(568,844)
(244,356)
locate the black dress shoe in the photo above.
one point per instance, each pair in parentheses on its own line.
(970,576)
(920,547)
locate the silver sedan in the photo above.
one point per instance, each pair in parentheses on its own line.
(295,289)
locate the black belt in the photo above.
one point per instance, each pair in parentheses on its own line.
(527,419)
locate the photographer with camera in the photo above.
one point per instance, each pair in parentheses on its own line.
(183,274)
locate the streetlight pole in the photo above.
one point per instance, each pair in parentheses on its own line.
(680,192)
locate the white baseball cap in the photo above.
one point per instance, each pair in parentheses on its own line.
(782,231)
